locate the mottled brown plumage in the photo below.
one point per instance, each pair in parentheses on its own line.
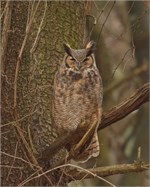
(77,98)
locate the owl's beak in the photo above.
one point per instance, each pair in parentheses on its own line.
(78,65)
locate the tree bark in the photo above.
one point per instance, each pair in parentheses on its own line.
(34,50)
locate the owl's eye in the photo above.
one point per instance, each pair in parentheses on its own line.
(70,62)
(88,61)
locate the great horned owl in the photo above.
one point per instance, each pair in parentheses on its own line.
(77,97)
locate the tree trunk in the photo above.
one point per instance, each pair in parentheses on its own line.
(32,38)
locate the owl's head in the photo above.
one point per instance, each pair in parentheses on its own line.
(79,59)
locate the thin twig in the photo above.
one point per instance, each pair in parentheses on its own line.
(68,165)
(105,21)
(18,128)
(132,48)
(131,7)
(20,119)
(137,71)
(39,29)
(19,158)
(138,20)
(6,28)
(37,171)
(3,12)
(98,17)
(13,161)
(12,167)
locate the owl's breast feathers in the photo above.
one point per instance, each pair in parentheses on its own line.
(77,97)
(77,100)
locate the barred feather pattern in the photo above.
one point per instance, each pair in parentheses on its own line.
(77,98)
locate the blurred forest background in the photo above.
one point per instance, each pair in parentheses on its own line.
(123,61)
(32,36)
(122,35)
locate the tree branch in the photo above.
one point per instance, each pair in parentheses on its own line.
(5,33)
(79,173)
(133,103)
(72,172)
(115,114)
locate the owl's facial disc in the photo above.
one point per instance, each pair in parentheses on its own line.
(77,65)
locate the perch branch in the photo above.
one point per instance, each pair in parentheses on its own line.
(133,103)
(115,114)
(55,147)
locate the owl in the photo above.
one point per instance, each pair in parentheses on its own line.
(77,98)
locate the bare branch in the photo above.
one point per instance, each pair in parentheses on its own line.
(124,56)
(18,62)
(19,158)
(5,31)
(109,170)
(133,103)
(105,21)
(78,173)
(39,29)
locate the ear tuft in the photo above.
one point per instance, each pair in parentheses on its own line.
(67,48)
(91,44)
(91,47)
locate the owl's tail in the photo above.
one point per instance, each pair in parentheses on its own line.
(92,150)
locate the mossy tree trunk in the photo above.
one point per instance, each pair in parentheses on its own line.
(32,38)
